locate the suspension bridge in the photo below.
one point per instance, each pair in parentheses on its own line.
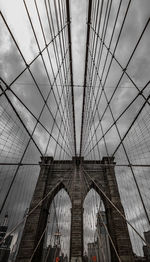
(74,131)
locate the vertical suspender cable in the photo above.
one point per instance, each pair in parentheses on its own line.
(71,72)
(85,72)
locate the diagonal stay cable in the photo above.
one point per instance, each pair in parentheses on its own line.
(30,212)
(124,70)
(22,122)
(106,228)
(121,143)
(65,130)
(114,206)
(44,64)
(131,56)
(103,36)
(125,148)
(131,125)
(111,39)
(117,41)
(50,133)
(52,32)
(28,68)
(31,138)
(37,56)
(99,118)
(48,53)
(59,132)
(128,106)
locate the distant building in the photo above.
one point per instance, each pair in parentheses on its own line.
(5,246)
(139,259)
(146,249)
(65,259)
(15,246)
(50,253)
(85,258)
(93,252)
(102,238)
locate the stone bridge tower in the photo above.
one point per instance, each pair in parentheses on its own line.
(55,175)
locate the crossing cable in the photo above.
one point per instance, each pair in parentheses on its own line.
(103,34)
(43,60)
(110,42)
(117,119)
(86,122)
(88,126)
(118,38)
(114,121)
(30,260)
(50,133)
(31,138)
(124,148)
(110,237)
(95,10)
(94,45)
(42,235)
(88,138)
(62,43)
(117,61)
(117,41)
(69,186)
(48,50)
(113,245)
(124,71)
(52,32)
(58,133)
(105,22)
(104,31)
(28,67)
(112,35)
(22,122)
(113,205)
(101,247)
(99,235)
(89,220)
(58,27)
(34,208)
(53,226)
(131,125)
(71,72)
(93,94)
(36,57)
(66,129)
(42,29)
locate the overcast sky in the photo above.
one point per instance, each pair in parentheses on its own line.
(11,64)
